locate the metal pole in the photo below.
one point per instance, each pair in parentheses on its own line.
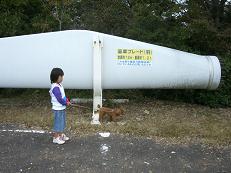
(97,70)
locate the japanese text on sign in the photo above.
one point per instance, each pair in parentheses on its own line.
(137,57)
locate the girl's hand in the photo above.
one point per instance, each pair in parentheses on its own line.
(68,102)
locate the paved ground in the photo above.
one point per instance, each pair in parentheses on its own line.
(34,152)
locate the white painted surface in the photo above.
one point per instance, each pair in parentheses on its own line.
(25,131)
(97,77)
(104,148)
(95,118)
(104,134)
(26,62)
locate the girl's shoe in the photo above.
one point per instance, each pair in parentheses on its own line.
(64,137)
(58,140)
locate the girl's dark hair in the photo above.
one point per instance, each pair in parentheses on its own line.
(55,73)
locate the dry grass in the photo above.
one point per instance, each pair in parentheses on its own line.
(170,121)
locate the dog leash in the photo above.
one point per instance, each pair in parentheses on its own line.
(75,105)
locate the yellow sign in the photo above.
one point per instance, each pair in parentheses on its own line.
(140,57)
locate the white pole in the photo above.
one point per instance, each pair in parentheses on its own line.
(97,70)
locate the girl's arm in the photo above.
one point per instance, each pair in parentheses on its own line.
(58,95)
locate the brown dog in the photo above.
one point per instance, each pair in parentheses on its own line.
(112,113)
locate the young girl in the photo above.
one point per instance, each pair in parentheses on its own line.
(59,103)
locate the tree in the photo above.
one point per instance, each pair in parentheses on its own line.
(110,17)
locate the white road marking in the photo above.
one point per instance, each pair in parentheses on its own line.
(104,134)
(25,131)
(147,163)
(104,148)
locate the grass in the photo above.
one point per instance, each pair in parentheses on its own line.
(173,122)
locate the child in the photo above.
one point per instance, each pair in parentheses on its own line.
(59,103)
